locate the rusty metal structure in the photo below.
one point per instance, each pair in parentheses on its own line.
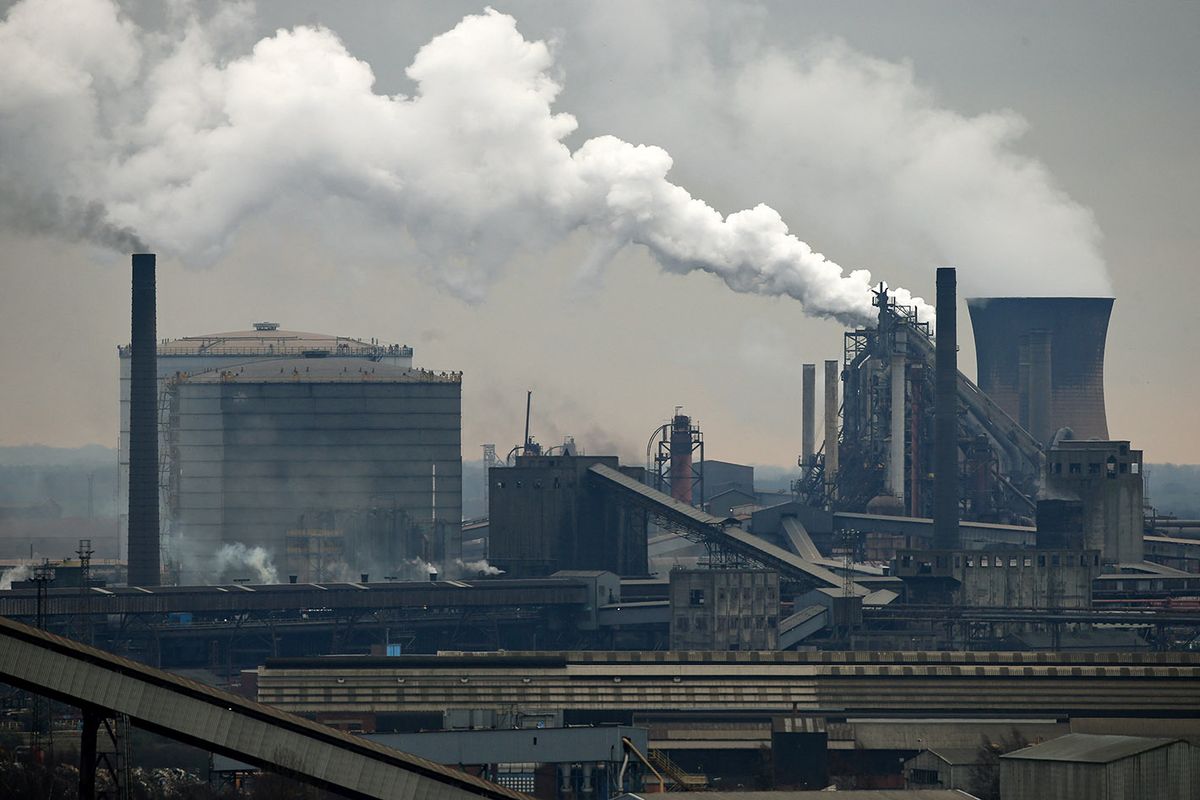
(885,449)
(675,459)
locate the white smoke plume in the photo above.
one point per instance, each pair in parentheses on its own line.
(236,561)
(21,572)
(182,143)
(476,568)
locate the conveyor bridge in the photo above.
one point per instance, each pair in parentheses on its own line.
(719,532)
(106,685)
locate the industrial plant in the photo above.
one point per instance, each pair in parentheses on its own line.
(955,561)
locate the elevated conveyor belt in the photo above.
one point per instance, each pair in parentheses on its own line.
(224,723)
(694,523)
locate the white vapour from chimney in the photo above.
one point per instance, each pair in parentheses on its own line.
(182,143)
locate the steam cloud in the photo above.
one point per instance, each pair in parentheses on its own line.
(236,557)
(21,572)
(184,140)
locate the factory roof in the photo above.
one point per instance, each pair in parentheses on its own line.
(267,338)
(958,756)
(1088,748)
(320,370)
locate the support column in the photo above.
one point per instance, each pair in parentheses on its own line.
(87,754)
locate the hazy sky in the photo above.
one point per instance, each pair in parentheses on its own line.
(1037,146)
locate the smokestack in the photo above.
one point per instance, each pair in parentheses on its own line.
(832,376)
(681,458)
(143,428)
(945,416)
(808,407)
(1077,328)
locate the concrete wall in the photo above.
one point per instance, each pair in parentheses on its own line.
(1009,578)
(724,609)
(1107,478)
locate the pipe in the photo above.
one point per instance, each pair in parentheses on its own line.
(808,408)
(896,445)
(945,416)
(528,405)
(1041,345)
(831,425)
(662,784)
(143,428)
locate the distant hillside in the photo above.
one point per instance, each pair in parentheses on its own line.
(1175,489)
(39,455)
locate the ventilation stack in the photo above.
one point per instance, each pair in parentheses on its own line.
(945,416)
(143,429)
(1064,362)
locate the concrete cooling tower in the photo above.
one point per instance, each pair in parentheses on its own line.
(1042,360)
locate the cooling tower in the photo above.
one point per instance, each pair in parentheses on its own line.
(1070,332)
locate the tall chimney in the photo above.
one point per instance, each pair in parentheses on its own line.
(681,458)
(945,416)
(808,407)
(143,429)
(832,376)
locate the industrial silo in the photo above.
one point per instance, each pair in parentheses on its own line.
(1042,360)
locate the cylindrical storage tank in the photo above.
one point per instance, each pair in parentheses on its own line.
(681,458)
(1077,328)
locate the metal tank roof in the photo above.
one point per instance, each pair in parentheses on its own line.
(319,369)
(268,338)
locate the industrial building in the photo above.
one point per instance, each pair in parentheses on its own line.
(724,609)
(334,455)
(551,512)
(1089,767)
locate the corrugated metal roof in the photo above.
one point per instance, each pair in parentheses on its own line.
(655,496)
(958,756)
(1088,748)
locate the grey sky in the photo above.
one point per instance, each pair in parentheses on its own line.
(1109,92)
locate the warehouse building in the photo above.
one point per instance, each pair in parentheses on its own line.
(1082,766)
